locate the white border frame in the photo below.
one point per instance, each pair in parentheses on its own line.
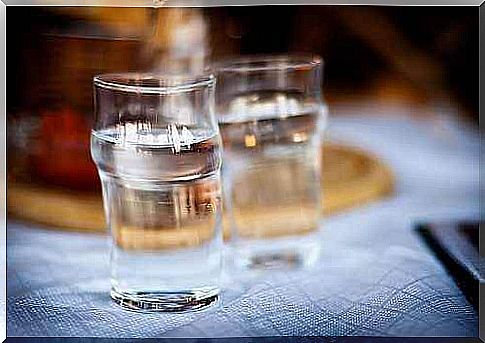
(3,187)
(145,3)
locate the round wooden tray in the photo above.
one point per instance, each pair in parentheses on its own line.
(351,177)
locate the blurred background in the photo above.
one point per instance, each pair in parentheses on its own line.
(402,149)
(416,58)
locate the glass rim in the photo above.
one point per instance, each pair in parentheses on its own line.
(152,83)
(269,62)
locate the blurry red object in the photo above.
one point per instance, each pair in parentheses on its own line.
(63,155)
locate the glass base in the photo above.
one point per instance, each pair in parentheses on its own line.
(287,256)
(276,260)
(165,301)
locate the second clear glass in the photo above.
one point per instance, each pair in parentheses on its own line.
(272,116)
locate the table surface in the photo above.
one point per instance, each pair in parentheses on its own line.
(375,276)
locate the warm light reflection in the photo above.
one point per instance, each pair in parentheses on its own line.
(249,141)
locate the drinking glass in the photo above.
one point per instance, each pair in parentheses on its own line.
(157,148)
(272,116)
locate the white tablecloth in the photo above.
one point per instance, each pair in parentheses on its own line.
(375,276)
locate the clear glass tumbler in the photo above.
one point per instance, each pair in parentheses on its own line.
(157,147)
(271,116)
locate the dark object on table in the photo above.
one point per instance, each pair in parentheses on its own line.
(456,245)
